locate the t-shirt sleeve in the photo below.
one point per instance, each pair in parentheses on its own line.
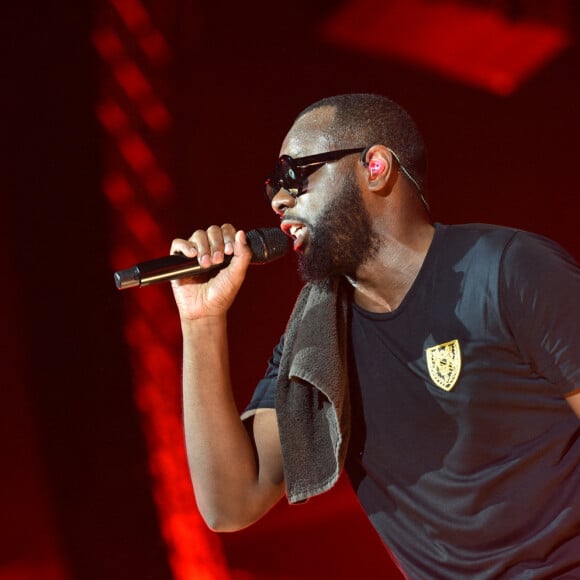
(264,396)
(540,297)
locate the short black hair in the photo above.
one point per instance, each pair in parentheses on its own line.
(364,119)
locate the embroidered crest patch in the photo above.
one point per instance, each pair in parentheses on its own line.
(444,364)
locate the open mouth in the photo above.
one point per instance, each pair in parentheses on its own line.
(298,232)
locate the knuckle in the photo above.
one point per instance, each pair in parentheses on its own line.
(199,239)
(228,232)
(216,237)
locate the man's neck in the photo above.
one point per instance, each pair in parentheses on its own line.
(382,283)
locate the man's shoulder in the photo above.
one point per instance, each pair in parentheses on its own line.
(471,231)
(474,241)
(517,250)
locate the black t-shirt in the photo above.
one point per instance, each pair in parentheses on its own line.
(464,453)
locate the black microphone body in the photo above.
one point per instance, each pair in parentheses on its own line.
(267,244)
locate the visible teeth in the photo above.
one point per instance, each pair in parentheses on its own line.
(294,230)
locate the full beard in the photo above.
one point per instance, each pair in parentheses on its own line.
(341,240)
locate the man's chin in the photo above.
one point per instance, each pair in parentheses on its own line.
(307,271)
(315,271)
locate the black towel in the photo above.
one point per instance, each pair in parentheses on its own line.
(312,402)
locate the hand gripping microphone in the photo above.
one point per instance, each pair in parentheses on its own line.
(267,245)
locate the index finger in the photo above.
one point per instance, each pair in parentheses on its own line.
(229,236)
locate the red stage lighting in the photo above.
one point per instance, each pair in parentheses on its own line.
(481,46)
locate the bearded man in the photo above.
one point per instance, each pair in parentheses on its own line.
(438,364)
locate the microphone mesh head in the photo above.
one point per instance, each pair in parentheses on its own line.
(267,244)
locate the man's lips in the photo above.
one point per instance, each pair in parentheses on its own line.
(297,231)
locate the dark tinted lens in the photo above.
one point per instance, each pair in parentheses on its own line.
(288,173)
(287,176)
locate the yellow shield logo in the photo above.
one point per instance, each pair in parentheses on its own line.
(444,364)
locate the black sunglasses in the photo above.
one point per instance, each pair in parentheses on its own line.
(291,174)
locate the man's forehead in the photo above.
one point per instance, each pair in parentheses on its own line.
(309,134)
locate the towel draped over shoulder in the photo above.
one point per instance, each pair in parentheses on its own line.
(312,402)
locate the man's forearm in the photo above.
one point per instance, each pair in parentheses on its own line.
(220,453)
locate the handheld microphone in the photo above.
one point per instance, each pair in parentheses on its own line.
(267,245)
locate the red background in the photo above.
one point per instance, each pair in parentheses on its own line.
(77,495)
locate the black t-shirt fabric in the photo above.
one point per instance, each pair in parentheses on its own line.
(464,453)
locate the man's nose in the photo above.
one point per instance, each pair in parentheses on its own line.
(282,201)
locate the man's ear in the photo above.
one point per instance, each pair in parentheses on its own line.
(378,162)
(376,167)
